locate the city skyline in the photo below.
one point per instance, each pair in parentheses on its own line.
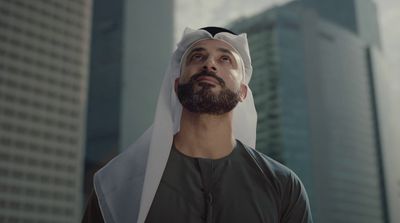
(44,81)
(314,91)
(388,17)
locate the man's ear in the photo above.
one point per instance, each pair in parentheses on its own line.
(243,92)
(176,85)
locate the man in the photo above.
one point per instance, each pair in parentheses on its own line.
(195,163)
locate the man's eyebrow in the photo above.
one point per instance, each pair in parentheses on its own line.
(201,49)
(224,50)
(197,49)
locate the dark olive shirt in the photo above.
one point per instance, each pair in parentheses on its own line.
(245,186)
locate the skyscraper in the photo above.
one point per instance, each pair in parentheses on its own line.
(129,53)
(44,49)
(314,91)
(105,82)
(357,16)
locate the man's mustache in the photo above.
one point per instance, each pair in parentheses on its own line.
(206,73)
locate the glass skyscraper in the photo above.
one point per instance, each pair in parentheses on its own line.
(131,45)
(104,94)
(44,49)
(313,85)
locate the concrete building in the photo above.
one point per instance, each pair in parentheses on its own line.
(129,54)
(44,49)
(314,90)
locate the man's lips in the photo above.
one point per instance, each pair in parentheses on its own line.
(208,79)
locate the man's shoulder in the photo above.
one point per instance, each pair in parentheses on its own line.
(272,169)
(291,194)
(132,158)
(130,164)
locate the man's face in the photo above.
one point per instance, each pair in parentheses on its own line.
(211,78)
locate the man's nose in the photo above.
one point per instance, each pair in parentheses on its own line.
(209,64)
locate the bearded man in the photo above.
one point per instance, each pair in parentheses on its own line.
(197,163)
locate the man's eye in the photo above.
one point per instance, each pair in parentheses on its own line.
(197,57)
(226,59)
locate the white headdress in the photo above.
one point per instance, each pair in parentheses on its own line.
(126,186)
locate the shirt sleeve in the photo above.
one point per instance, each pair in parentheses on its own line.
(295,203)
(92,213)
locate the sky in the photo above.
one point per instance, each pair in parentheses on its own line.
(196,14)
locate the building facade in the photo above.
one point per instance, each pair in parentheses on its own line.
(44,48)
(130,50)
(105,83)
(314,92)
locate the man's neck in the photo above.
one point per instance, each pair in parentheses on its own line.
(205,136)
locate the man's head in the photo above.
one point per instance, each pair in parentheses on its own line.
(212,77)
(169,108)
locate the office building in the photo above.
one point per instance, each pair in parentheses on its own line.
(130,51)
(44,49)
(313,84)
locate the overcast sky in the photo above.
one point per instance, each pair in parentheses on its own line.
(196,14)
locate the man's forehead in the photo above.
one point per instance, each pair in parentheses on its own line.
(213,43)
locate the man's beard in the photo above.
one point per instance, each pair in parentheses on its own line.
(203,100)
